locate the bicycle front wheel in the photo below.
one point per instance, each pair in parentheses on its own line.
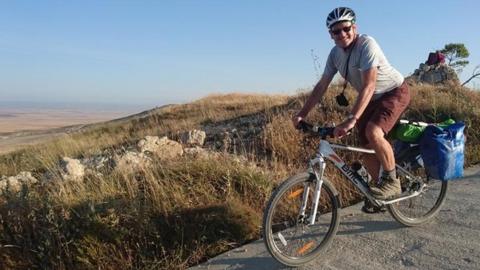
(287,232)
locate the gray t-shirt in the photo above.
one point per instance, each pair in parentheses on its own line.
(365,55)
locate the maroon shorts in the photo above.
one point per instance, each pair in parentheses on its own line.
(384,112)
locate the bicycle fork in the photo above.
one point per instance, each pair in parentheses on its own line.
(318,173)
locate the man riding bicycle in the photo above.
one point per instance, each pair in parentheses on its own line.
(382,97)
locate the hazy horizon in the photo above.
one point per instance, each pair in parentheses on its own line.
(35,104)
(28,116)
(16,116)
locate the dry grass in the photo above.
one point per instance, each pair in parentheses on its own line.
(180,212)
(167,217)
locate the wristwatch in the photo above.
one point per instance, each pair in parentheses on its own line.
(351,116)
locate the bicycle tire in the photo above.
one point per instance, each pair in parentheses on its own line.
(422,208)
(286,235)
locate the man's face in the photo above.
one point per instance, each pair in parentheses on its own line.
(343,33)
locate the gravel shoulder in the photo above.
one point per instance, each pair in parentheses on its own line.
(376,241)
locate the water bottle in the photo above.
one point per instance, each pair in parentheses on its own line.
(360,169)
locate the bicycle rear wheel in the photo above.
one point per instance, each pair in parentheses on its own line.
(288,236)
(420,209)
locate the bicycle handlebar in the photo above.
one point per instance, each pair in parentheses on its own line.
(322,132)
(325,132)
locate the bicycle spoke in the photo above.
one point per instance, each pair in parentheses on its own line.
(419,209)
(288,233)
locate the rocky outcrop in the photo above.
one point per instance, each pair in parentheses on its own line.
(133,158)
(435,74)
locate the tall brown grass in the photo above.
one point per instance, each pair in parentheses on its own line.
(180,212)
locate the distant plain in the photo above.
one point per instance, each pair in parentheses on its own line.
(14,120)
(27,124)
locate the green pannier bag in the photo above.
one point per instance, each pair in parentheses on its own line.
(412,131)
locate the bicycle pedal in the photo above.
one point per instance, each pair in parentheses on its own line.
(373,210)
(370,208)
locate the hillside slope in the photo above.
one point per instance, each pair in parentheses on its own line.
(177,212)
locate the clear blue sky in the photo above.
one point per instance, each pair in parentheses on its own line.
(157,52)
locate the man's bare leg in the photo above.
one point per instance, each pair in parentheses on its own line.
(384,155)
(383,149)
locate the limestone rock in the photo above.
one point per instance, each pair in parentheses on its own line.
(148,144)
(163,148)
(72,169)
(194,137)
(132,161)
(14,183)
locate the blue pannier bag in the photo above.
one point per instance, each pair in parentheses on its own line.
(442,151)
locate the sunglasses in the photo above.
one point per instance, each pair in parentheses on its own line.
(345,29)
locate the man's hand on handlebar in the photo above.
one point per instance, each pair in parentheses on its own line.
(296,120)
(344,128)
(338,132)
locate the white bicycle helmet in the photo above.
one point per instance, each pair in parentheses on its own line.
(340,14)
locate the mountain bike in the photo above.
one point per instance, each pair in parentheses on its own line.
(302,215)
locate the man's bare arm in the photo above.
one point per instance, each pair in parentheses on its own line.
(369,78)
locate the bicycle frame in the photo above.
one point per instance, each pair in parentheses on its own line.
(326,152)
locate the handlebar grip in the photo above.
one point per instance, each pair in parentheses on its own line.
(304,126)
(323,132)
(327,132)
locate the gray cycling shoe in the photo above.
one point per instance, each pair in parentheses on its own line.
(387,188)
(374,183)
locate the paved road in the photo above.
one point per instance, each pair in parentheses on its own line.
(377,241)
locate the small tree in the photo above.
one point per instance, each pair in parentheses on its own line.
(456,54)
